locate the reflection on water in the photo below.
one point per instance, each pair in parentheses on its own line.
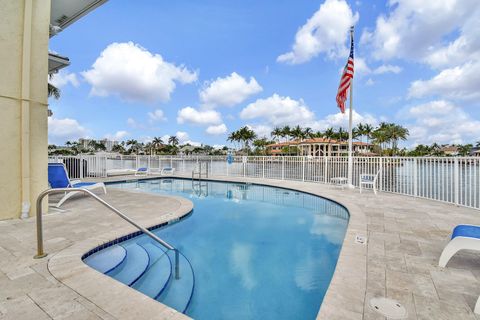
(240,192)
(257,252)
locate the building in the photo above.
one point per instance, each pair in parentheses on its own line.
(318,147)
(24,60)
(475,152)
(450,150)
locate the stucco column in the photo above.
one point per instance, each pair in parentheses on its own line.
(23,104)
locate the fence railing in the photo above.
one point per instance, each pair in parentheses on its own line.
(449,179)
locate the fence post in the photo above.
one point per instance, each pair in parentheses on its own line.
(380,177)
(283,168)
(105,172)
(81,167)
(456,182)
(415,177)
(303,168)
(148,162)
(244,160)
(263,168)
(325,170)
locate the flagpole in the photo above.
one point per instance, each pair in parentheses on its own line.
(350,130)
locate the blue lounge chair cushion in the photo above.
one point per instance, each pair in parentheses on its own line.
(142,169)
(83,184)
(466,231)
(168,168)
(57,177)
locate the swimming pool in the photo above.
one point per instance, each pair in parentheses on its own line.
(247,251)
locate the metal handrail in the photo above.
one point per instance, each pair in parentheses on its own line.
(42,254)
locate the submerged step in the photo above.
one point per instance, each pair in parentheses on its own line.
(107,259)
(133,266)
(178,292)
(155,279)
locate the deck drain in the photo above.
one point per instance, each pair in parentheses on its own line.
(389,308)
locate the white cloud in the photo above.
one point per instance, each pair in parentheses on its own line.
(415,29)
(217,130)
(157,115)
(261,130)
(135,74)
(339,119)
(62,78)
(370,82)
(119,135)
(228,91)
(385,68)
(62,130)
(191,115)
(440,121)
(278,110)
(182,136)
(325,32)
(218,146)
(461,82)
(132,123)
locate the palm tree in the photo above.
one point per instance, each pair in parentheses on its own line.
(308,133)
(367,131)
(173,140)
(276,133)
(246,135)
(478,144)
(134,145)
(234,137)
(329,134)
(52,90)
(464,150)
(297,133)
(118,148)
(286,132)
(261,144)
(157,143)
(397,132)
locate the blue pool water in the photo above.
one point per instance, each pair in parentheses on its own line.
(247,251)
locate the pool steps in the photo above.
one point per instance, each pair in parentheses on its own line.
(149,269)
(155,279)
(178,292)
(108,259)
(128,272)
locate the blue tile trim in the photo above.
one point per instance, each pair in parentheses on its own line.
(132,235)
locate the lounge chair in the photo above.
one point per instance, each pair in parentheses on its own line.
(58,178)
(141,172)
(464,237)
(167,171)
(369,180)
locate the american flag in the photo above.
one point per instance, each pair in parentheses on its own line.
(346,79)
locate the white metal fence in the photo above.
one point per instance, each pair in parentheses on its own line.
(449,179)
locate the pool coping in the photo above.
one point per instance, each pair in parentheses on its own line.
(346,292)
(68,268)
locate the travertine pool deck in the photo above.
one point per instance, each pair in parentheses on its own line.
(400,260)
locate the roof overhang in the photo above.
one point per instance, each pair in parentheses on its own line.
(65,12)
(56,62)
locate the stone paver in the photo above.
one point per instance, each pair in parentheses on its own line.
(400,259)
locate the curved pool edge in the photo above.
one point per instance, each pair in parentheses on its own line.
(345,296)
(344,299)
(115,298)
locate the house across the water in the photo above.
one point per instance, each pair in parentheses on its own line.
(318,147)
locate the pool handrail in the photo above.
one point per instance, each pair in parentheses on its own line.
(42,254)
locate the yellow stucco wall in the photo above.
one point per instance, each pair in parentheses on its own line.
(23,86)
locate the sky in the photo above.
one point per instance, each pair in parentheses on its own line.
(202,69)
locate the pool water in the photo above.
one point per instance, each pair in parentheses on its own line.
(256,252)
